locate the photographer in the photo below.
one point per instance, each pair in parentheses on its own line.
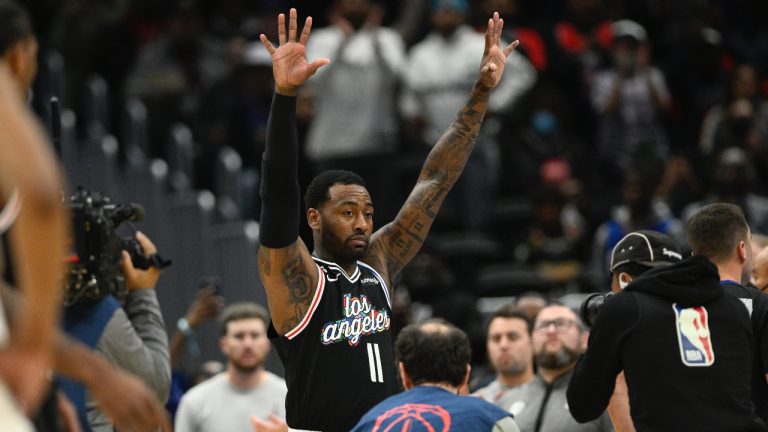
(684,345)
(131,336)
(632,256)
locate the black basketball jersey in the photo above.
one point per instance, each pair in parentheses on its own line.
(339,361)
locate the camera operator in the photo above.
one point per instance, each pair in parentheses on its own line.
(131,336)
(665,330)
(633,255)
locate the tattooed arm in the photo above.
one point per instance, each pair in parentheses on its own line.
(285,266)
(397,243)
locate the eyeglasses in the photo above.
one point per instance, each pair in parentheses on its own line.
(561,325)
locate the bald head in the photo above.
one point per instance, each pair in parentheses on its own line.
(760,270)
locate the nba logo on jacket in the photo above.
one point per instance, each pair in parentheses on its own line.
(693,335)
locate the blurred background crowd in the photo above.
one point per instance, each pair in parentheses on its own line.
(616,116)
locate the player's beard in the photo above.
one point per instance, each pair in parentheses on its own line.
(557,360)
(342,253)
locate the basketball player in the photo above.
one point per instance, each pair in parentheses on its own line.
(331,313)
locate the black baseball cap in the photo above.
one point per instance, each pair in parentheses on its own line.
(649,248)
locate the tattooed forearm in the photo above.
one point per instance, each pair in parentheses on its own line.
(402,239)
(265,265)
(452,150)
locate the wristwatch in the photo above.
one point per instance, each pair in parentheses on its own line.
(183,325)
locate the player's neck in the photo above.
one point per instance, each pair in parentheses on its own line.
(243,379)
(448,387)
(730,271)
(517,379)
(347,265)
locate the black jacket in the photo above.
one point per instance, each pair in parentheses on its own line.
(686,350)
(757,305)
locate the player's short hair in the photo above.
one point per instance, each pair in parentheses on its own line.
(716,229)
(509,311)
(318,191)
(242,311)
(14,24)
(434,351)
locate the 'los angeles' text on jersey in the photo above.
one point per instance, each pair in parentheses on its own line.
(339,360)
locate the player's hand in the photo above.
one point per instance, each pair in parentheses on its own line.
(127,402)
(494,57)
(137,278)
(274,424)
(290,67)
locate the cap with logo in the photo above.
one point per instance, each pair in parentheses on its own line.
(649,248)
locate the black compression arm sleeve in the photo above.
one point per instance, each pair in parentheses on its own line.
(280,196)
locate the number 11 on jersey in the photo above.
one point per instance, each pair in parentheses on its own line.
(374,362)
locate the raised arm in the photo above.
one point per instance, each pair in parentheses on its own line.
(285,266)
(397,243)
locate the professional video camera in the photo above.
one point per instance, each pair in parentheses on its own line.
(95,271)
(591,306)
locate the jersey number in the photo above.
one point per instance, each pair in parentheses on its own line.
(374,362)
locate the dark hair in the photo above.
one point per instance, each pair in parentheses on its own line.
(14,24)
(241,311)
(509,311)
(716,229)
(439,355)
(318,189)
(633,269)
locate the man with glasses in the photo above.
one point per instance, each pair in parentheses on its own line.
(539,406)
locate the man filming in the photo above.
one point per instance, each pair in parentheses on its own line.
(665,330)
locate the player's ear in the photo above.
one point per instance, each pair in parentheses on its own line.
(741,250)
(407,382)
(313,218)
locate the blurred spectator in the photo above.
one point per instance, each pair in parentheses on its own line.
(556,238)
(578,46)
(530,303)
(531,43)
(744,85)
(630,100)
(234,113)
(226,401)
(639,210)
(679,185)
(545,134)
(510,353)
(206,306)
(540,405)
(732,184)
(174,70)
(438,74)
(355,124)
